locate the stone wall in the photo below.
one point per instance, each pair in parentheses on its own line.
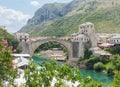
(75,48)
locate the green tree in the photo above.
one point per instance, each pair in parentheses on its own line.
(110,70)
(51,45)
(87,53)
(7,71)
(113,50)
(12,41)
(116,61)
(99,66)
(50,71)
(116,81)
(91,61)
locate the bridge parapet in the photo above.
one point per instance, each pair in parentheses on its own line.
(50,38)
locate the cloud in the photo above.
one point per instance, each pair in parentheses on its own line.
(53,0)
(12,19)
(35,3)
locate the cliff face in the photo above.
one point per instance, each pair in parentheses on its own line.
(47,12)
(59,19)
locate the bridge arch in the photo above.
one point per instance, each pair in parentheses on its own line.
(35,44)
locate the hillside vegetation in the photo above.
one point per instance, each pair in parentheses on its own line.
(64,19)
(5,34)
(12,41)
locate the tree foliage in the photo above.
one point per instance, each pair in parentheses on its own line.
(87,53)
(53,75)
(116,61)
(12,41)
(7,71)
(114,50)
(51,45)
(116,81)
(99,66)
(91,61)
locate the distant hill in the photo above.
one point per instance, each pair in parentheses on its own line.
(5,34)
(60,19)
(12,41)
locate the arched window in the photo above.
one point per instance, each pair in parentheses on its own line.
(80,27)
(83,26)
(87,26)
(91,26)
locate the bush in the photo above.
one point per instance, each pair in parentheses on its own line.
(110,71)
(104,60)
(116,81)
(116,61)
(99,66)
(91,61)
(7,71)
(114,50)
(87,53)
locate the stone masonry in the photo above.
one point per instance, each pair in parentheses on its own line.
(86,34)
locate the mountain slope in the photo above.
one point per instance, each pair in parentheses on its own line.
(12,41)
(105,14)
(5,34)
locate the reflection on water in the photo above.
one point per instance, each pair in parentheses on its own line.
(100,77)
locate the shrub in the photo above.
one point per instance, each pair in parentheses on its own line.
(114,50)
(99,66)
(116,81)
(7,73)
(110,71)
(87,53)
(91,61)
(116,61)
(104,60)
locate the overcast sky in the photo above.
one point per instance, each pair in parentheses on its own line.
(15,13)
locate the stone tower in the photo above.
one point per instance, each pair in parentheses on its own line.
(85,34)
(24,42)
(88,30)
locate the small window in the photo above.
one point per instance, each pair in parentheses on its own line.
(82,31)
(81,38)
(20,37)
(91,26)
(87,26)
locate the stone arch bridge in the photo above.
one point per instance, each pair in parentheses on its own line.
(30,45)
(33,45)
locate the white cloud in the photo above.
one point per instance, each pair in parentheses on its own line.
(12,19)
(53,0)
(35,3)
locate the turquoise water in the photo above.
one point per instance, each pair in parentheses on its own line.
(100,77)
(97,76)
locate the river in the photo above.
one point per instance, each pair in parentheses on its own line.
(100,77)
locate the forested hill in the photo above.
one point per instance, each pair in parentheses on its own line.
(60,19)
(4,34)
(12,41)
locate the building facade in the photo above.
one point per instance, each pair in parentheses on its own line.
(115,40)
